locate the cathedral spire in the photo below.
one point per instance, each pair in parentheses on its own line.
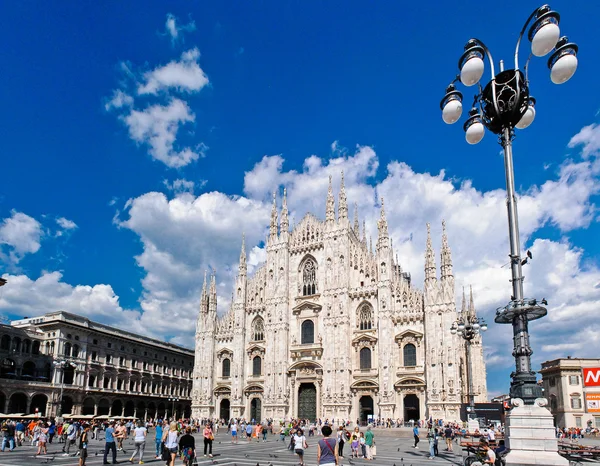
(446,255)
(382,225)
(274,216)
(371,244)
(204,297)
(330,207)
(243,266)
(429,258)
(472,312)
(364,238)
(463,307)
(356,227)
(343,204)
(212,298)
(285,222)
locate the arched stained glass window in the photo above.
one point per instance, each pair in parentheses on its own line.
(410,355)
(256,366)
(258,329)
(308,332)
(365,317)
(365,358)
(226,365)
(309,278)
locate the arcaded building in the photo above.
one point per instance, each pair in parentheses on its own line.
(99,370)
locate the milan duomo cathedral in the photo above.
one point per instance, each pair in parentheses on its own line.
(329,327)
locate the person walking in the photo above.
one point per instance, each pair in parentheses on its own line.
(110,445)
(300,445)
(341,438)
(234,435)
(431,439)
(139,440)
(369,440)
(448,435)
(327,448)
(209,436)
(416,436)
(170,439)
(83,444)
(187,447)
(120,435)
(42,438)
(158,439)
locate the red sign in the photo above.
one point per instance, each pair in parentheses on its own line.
(591,377)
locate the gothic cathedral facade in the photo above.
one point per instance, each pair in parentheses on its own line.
(330,327)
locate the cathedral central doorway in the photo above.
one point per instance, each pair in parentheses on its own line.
(307,401)
(255,409)
(224,410)
(365,409)
(412,410)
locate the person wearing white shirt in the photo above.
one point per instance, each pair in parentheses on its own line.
(139,439)
(300,445)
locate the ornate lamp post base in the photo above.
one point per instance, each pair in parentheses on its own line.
(531,435)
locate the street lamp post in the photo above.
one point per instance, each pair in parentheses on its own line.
(467,328)
(61,363)
(173,399)
(502,105)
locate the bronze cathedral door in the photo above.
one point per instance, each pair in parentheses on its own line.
(307,401)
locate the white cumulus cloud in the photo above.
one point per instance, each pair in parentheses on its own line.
(183,75)
(20,234)
(157,125)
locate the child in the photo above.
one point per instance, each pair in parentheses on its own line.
(363,446)
(355,444)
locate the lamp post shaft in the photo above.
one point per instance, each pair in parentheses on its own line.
(470,395)
(523,383)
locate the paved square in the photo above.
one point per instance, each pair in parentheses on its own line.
(246,453)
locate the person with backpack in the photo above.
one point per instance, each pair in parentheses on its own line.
(327,449)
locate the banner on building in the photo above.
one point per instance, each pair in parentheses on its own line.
(592,401)
(591,377)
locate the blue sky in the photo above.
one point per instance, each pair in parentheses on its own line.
(101,213)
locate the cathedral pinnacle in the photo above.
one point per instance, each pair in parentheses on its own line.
(343,203)
(204,297)
(243,266)
(330,209)
(429,258)
(285,222)
(274,216)
(364,238)
(463,307)
(446,255)
(472,312)
(212,299)
(356,227)
(382,224)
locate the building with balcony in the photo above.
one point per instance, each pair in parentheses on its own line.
(572,387)
(100,370)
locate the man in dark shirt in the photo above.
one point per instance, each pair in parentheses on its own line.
(448,434)
(109,437)
(8,436)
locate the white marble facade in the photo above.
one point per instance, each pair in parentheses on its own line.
(332,327)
